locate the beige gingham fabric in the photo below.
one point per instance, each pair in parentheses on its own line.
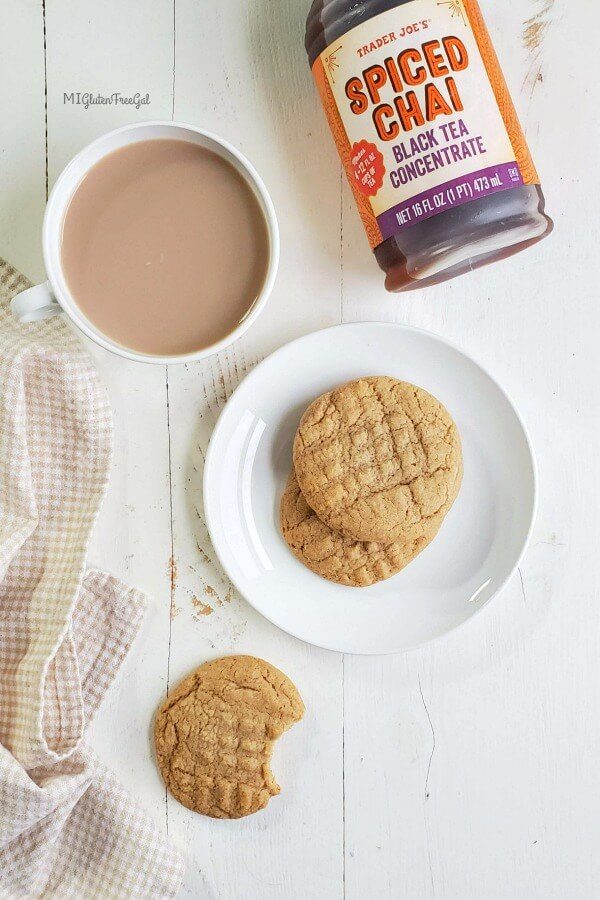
(67,828)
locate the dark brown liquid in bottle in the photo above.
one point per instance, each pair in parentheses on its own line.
(455,241)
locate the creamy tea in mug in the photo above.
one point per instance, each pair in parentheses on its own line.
(165,247)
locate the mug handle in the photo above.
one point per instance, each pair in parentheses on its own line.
(35,304)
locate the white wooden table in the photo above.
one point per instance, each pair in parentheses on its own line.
(468,769)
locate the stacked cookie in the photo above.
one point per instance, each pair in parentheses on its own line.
(377,465)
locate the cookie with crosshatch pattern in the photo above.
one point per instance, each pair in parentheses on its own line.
(335,557)
(214,735)
(379,460)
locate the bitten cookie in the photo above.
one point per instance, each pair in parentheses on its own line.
(333,556)
(379,460)
(214,735)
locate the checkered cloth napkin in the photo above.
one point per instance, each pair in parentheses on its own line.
(67,828)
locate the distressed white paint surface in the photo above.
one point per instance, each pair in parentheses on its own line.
(464,770)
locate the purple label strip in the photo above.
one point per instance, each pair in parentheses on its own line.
(448,195)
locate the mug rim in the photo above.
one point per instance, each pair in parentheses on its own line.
(57,203)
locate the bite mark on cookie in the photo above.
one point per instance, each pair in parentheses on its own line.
(214,735)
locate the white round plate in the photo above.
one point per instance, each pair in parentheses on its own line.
(478,547)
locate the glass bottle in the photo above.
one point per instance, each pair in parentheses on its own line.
(428,135)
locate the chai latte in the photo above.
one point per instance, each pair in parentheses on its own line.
(164,247)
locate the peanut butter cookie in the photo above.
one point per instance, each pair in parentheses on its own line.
(333,556)
(379,460)
(214,735)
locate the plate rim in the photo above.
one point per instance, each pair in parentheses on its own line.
(448,343)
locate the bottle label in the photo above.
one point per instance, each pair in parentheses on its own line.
(421,114)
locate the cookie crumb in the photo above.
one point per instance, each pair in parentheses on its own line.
(205,609)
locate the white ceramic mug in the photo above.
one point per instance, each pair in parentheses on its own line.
(53,296)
